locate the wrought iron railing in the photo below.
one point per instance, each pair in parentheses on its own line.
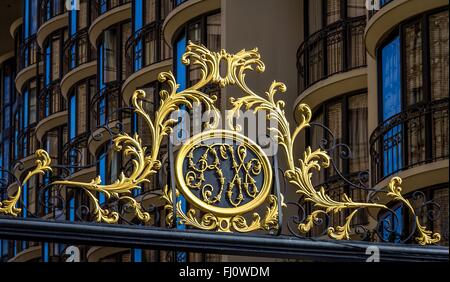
(146,47)
(356,186)
(50,100)
(337,48)
(27,142)
(51,9)
(29,52)
(413,137)
(103,6)
(106,105)
(78,51)
(76,154)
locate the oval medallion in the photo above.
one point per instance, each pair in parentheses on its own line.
(223,172)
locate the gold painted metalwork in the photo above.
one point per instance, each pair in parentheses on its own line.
(194,177)
(9,206)
(146,163)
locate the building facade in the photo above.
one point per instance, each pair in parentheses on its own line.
(378,80)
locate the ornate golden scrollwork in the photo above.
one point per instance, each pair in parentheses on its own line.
(9,206)
(241,193)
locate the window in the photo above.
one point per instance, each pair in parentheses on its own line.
(112,50)
(203,30)
(109,66)
(392,225)
(30,22)
(79,107)
(333,40)
(72,116)
(390,79)
(413,81)
(147,45)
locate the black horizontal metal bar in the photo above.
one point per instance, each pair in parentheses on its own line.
(211,242)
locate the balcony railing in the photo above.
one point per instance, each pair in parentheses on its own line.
(353,185)
(76,154)
(146,47)
(416,136)
(50,100)
(27,142)
(51,9)
(106,105)
(78,51)
(382,4)
(334,49)
(103,6)
(176,3)
(28,53)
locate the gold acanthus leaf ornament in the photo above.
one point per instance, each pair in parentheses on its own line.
(145,164)
(9,206)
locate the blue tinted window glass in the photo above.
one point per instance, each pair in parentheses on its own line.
(72,117)
(25,200)
(25,109)
(390,58)
(26,19)
(6,120)
(72,209)
(33,16)
(138,18)
(138,56)
(48,65)
(73,21)
(391,105)
(73,62)
(7,89)
(102,174)
(102,111)
(4,247)
(103,6)
(137,255)
(101,67)
(45,253)
(180,67)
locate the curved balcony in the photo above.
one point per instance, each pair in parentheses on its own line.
(27,62)
(335,49)
(29,254)
(332,62)
(95,254)
(52,109)
(27,141)
(28,53)
(108,13)
(413,145)
(6,56)
(106,104)
(391,14)
(79,61)
(53,17)
(15,26)
(183,11)
(146,56)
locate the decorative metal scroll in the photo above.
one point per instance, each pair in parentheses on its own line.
(225,178)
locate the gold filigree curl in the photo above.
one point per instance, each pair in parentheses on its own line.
(9,206)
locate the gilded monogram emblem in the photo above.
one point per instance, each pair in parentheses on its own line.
(228,174)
